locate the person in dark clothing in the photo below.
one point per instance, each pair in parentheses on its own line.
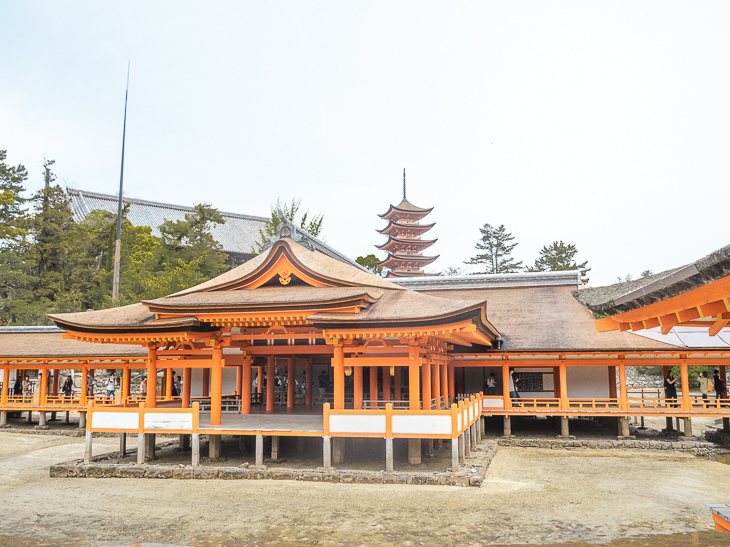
(670,388)
(719,385)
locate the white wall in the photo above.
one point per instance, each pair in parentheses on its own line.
(587,382)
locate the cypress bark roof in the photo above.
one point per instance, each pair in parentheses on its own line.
(622,297)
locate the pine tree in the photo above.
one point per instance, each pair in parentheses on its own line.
(495,242)
(558,257)
(370,262)
(289,210)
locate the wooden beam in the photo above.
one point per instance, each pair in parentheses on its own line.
(717,326)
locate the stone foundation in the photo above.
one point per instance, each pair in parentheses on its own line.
(473,474)
(697,448)
(718,436)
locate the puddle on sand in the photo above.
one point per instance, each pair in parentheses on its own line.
(708,538)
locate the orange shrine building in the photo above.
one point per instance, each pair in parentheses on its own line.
(300,342)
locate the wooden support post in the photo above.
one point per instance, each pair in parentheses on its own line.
(214,446)
(564,405)
(183,442)
(556,382)
(454,455)
(168,383)
(426,383)
(507,426)
(564,426)
(84,386)
(195,449)
(684,375)
(275,448)
(338,450)
(82,419)
(445,385)
(3,418)
(462,448)
(206,382)
(623,426)
(389,454)
(290,383)
(151,400)
(386,384)
(436,385)
(309,381)
(126,382)
(42,418)
(87,447)
(624,401)
(414,395)
(414,451)
(338,364)
(326,452)
(373,394)
(246,388)
(612,382)
(397,394)
(54,391)
(122,445)
(150,445)
(6,386)
(687,426)
(43,384)
(505,388)
(467,441)
(452,382)
(357,387)
(260,380)
(141,445)
(270,373)
(259,454)
(239,381)
(187,384)
(216,386)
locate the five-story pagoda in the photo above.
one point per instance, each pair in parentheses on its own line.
(405,246)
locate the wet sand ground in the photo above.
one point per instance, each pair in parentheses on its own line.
(530,496)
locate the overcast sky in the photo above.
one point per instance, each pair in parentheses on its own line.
(602,124)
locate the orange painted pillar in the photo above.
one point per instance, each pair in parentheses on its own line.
(373,384)
(684,374)
(386,384)
(206,382)
(84,385)
(239,380)
(460,380)
(452,383)
(556,382)
(624,401)
(43,385)
(168,383)
(563,387)
(291,383)
(338,363)
(216,386)
(245,388)
(126,374)
(397,395)
(612,382)
(55,382)
(6,386)
(260,380)
(505,386)
(357,381)
(426,381)
(151,401)
(444,383)
(309,381)
(270,373)
(723,377)
(436,385)
(414,393)
(187,377)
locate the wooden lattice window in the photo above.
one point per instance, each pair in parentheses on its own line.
(529,381)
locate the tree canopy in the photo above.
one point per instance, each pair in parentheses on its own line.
(312,226)
(370,262)
(497,248)
(558,256)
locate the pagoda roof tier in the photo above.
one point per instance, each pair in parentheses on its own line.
(397,261)
(405,209)
(395,243)
(286,284)
(402,228)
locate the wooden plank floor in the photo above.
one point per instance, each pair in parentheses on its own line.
(312,423)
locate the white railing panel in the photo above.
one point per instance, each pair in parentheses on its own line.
(114,420)
(357,423)
(492,403)
(426,425)
(168,420)
(459,422)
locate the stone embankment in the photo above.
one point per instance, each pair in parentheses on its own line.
(698,448)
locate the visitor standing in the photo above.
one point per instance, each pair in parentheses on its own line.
(513,382)
(492,384)
(111,385)
(703,379)
(719,385)
(670,388)
(143,386)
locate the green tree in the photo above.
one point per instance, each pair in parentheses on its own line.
(17,278)
(370,262)
(452,270)
(496,247)
(557,257)
(290,210)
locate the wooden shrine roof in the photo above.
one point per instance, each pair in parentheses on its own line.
(547,318)
(52,344)
(406,206)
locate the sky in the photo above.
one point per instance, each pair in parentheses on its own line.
(601,124)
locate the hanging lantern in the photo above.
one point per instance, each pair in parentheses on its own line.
(392,371)
(348,371)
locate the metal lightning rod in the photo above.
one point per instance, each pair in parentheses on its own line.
(118,241)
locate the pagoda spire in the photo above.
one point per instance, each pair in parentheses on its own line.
(404,184)
(404,245)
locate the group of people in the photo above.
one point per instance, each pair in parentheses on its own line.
(707,385)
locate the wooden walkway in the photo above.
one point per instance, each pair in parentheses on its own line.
(262,424)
